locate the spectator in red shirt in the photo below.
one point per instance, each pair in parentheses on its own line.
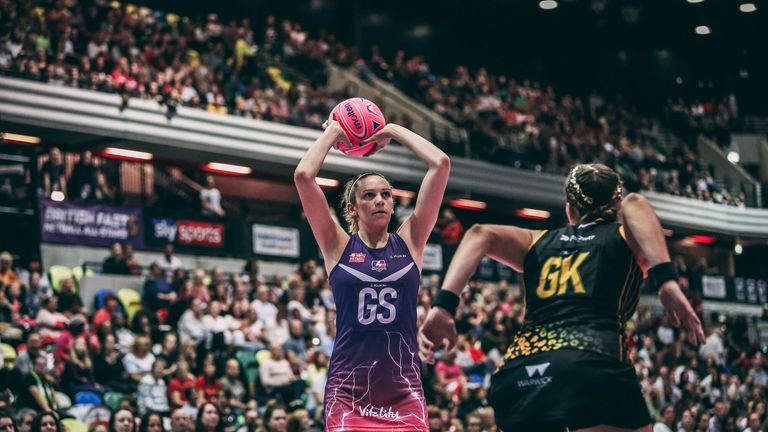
(182,387)
(111,307)
(450,377)
(450,233)
(207,384)
(450,228)
(75,329)
(475,349)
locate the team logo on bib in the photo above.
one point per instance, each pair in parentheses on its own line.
(378,265)
(357,257)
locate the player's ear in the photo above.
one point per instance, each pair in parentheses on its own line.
(572,213)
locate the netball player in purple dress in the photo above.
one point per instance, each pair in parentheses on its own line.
(374,380)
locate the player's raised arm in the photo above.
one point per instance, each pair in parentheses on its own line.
(419,225)
(330,236)
(506,244)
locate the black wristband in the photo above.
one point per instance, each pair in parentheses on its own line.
(661,273)
(447,300)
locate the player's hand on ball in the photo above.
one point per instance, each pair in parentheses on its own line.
(380,138)
(330,121)
(331,126)
(680,311)
(438,329)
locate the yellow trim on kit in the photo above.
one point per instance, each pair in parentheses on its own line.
(536,238)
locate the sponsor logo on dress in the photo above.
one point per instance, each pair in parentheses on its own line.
(575,238)
(378,265)
(380,412)
(398,256)
(536,377)
(357,257)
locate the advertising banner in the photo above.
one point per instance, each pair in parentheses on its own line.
(713,287)
(276,241)
(90,225)
(433,257)
(187,232)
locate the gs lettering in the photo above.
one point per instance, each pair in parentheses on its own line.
(370,301)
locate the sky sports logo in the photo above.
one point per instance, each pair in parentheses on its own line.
(191,233)
(536,377)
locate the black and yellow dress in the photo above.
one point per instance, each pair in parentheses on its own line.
(567,366)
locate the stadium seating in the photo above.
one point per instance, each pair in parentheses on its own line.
(78,273)
(74,425)
(58,273)
(87,398)
(131,301)
(98,299)
(9,355)
(112,400)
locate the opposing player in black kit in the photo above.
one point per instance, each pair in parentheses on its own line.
(566,369)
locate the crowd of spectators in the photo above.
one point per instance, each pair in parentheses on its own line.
(279,75)
(250,352)
(526,124)
(714,118)
(142,53)
(83,178)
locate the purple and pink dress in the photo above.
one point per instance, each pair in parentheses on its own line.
(374,379)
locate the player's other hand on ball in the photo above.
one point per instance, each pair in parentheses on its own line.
(380,138)
(438,329)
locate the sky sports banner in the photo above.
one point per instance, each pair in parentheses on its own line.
(275,241)
(186,233)
(90,225)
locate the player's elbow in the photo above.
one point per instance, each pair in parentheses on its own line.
(301,175)
(444,163)
(635,198)
(479,232)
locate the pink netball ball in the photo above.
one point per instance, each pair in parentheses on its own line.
(360,119)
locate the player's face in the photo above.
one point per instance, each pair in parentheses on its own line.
(374,204)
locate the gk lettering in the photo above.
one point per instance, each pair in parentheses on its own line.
(558,272)
(369,301)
